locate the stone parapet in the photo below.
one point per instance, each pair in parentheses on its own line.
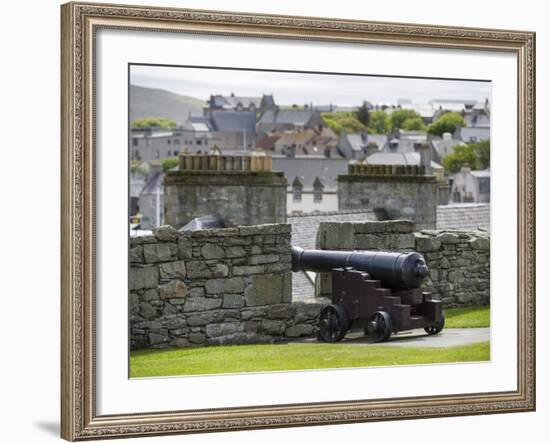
(214,286)
(459,260)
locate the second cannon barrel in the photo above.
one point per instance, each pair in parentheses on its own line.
(396,270)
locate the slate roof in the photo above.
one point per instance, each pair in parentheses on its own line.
(397,158)
(308,167)
(464,216)
(231,101)
(297,117)
(267,141)
(425,110)
(357,142)
(379,139)
(198,123)
(481,174)
(452,104)
(477,120)
(465,134)
(294,138)
(441,145)
(234,121)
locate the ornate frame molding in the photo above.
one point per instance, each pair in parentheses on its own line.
(79,23)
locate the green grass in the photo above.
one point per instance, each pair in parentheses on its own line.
(470,317)
(285,357)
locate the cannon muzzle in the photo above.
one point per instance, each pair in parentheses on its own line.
(395,270)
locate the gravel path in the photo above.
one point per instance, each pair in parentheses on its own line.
(419,338)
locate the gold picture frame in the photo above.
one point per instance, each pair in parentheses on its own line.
(80,21)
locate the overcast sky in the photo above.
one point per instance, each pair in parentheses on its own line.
(297,88)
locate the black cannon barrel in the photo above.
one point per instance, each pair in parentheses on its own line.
(399,270)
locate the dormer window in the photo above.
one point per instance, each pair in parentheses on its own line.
(297,189)
(317,190)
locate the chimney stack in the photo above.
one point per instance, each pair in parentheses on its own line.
(426,158)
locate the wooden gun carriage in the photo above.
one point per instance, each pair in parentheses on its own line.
(377,291)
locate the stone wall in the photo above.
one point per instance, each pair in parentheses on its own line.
(212,287)
(394,196)
(459,261)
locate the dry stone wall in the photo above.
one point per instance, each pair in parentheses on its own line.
(213,287)
(459,260)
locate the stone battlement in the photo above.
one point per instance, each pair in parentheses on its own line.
(226,163)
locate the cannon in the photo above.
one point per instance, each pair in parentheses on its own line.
(379,292)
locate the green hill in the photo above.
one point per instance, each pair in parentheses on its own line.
(149,102)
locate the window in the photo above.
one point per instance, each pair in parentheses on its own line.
(199,142)
(134,142)
(318,195)
(484,185)
(297,188)
(317,190)
(176,141)
(169,141)
(297,194)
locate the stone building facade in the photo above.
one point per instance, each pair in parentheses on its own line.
(214,287)
(458,260)
(392,192)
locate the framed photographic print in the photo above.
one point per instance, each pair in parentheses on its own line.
(258,209)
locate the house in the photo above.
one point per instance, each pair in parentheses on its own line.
(158,143)
(406,142)
(312,185)
(274,120)
(477,119)
(233,129)
(472,134)
(353,146)
(292,143)
(444,146)
(307,142)
(322,145)
(223,130)
(238,103)
(452,105)
(425,110)
(469,186)
(267,142)
(138,177)
(151,198)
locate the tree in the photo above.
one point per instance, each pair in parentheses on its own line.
(170,163)
(414,124)
(379,122)
(475,155)
(153,122)
(446,123)
(363,114)
(342,121)
(399,116)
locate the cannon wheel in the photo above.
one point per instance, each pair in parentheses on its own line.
(380,326)
(333,323)
(437,327)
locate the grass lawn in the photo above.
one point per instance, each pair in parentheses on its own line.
(284,357)
(470,317)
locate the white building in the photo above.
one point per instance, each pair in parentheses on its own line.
(312,185)
(471,186)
